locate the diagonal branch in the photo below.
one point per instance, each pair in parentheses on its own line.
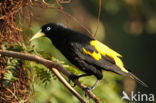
(60,77)
(52,65)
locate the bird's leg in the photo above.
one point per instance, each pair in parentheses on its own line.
(94,85)
(73,76)
(76,77)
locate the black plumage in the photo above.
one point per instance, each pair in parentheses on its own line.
(72,44)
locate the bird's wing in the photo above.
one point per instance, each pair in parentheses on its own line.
(98,54)
(106,51)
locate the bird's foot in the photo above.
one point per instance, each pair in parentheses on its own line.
(73,77)
(76,77)
(88,89)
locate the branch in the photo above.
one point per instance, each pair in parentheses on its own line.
(12,54)
(52,65)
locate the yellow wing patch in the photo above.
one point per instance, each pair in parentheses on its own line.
(95,55)
(105,50)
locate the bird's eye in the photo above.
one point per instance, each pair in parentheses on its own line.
(48,28)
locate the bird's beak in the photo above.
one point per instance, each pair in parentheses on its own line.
(37,35)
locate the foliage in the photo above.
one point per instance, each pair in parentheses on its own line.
(128,26)
(45,85)
(12,71)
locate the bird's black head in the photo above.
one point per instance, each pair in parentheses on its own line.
(47,30)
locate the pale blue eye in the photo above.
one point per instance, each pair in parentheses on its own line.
(48,28)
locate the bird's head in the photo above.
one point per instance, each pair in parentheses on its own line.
(47,30)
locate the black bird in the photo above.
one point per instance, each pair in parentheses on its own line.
(86,53)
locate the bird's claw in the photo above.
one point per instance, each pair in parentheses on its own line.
(88,89)
(73,77)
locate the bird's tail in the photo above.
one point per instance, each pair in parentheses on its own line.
(132,76)
(129,74)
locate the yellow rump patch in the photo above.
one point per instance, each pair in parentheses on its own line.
(105,50)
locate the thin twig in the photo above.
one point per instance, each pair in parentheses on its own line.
(65,14)
(77,21)
(65,2)
(51,65)
(62,11)
(12,94)
(98,19)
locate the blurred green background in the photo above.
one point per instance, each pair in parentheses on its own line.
(127,26)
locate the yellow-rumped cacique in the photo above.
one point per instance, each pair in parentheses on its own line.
(86,53)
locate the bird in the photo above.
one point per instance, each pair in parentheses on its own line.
(85,52)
